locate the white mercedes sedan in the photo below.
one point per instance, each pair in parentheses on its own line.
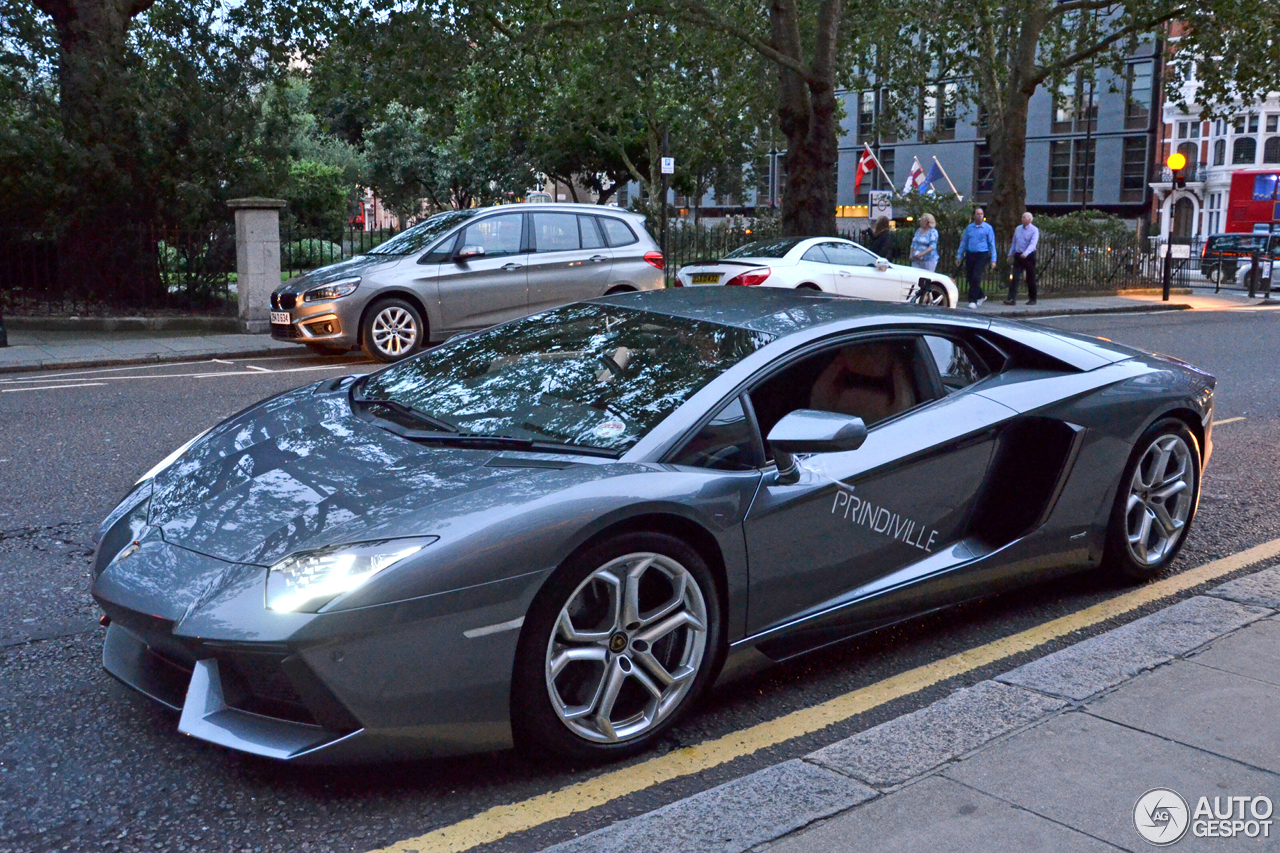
(829,264)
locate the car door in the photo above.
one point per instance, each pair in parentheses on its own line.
(816,266)
(857,275)
(568,260)
(490,288)
(856,518)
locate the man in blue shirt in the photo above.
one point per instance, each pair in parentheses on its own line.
(1026,237)
(977,246)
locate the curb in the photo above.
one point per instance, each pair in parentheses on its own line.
(1120,309)
(154,358)
(126,324)
(745,813)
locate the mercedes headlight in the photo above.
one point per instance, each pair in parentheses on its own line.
(332,290)
(170,459)
(307,581)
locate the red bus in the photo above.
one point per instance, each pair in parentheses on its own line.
(1254,205)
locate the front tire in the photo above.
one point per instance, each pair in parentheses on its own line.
(1156,502)
(935,296)
(618,644)
(392,329)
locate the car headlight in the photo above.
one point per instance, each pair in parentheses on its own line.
(307,581)
(332,290)
(170,459)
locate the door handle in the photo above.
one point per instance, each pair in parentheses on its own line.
(845,272)
(595,259)
(512,267)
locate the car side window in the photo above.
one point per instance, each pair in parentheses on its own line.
(591,238)
(726,443)
(957,364)
(555,232)
(497,235)
(617,232)
(848,254)
(869,379)
(816,255)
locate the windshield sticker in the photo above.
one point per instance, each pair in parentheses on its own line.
(882,520)
(609,429)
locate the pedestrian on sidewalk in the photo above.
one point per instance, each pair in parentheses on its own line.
(924,244)
(882,239)
(1022,251)
(977,247)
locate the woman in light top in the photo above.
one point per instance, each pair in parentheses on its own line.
(924,244)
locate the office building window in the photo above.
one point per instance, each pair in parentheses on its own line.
(1246,124)
(887,161)
(1273,122)
(1075,105)
(1190,150)
(1137,101)
(1244,151)
(1133,171)
(866,116)
(1071,170)
(984,172)
(1214,209)
(1271,150)
(622,196)
(1188,130)
(1220,152)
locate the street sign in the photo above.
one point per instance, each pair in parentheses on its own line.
(1177,251)
(880,203)
(668,165)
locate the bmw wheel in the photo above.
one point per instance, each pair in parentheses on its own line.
(1156,502)
(617,645)
(392,329)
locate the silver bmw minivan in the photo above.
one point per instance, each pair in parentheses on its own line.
(463,270)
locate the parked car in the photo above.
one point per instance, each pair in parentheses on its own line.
(828,264)
(554,531)
(464,270)
(1225,255)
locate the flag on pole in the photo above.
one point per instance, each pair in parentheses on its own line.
(915,178)
(866,163)
(935,174)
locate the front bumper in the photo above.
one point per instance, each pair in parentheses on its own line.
(388,681)
(333,323)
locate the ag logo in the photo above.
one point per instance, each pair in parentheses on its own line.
(1160,816)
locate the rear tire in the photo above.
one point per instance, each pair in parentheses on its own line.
(808,286)
(1156,502)
(617,645)
(392,329)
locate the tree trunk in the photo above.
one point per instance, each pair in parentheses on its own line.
(1007,142)
(105,250)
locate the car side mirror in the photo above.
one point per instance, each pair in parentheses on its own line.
(466,253)
(882,265)
(811,431)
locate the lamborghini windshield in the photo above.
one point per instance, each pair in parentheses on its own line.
(595,376)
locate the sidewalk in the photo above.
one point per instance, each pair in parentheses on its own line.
(54,350)
(1053,755)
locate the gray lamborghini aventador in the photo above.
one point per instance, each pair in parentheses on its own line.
(554,532)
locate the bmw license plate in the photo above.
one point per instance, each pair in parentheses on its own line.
(279,318)
(705,277)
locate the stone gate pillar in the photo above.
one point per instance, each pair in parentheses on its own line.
(257,258)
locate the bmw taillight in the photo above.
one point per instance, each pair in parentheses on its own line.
(749,278)
(653,259)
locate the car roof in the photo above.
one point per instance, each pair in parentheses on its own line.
(772,310)
(565,207)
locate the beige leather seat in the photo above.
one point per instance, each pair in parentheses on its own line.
(869,381)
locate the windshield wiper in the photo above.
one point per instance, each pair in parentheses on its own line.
(407,411)
(507,442)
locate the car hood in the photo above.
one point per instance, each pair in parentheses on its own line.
(360,265)
(300,471)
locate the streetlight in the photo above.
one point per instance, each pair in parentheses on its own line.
(1177,162)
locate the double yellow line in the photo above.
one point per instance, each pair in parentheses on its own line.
(500,821)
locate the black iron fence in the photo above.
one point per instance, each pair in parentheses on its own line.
(1095,264)
(1218,264)
(303,249)
(133,269)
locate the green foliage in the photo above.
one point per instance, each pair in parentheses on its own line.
(310,253)
(1088,226)
(952,214)
(319,194)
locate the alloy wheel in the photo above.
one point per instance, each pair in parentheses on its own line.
(626,648)
(1160,497)
(934,294)
(395,331)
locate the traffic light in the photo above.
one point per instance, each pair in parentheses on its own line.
(1177,162)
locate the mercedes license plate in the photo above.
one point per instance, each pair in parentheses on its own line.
(705,278)
(279,318)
